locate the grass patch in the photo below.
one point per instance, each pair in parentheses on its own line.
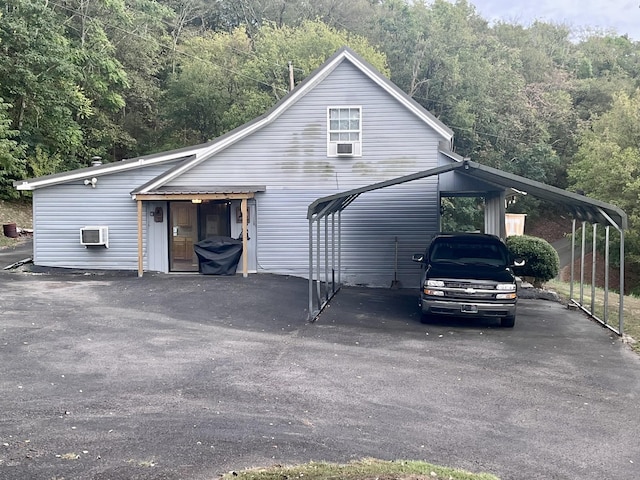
(70,456)
(18,212)
(144,463)
(631,308)
(367,469)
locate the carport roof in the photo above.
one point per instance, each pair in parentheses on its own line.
(580,206)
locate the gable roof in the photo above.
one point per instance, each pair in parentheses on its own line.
(202,152)
(344,54)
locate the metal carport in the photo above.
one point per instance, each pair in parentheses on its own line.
(582,208)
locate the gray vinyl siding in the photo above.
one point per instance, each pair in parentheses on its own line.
(369,228)
(61,210)
(289,156)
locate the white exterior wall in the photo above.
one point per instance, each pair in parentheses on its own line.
(289,156)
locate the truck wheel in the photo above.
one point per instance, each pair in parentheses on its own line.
(507,322)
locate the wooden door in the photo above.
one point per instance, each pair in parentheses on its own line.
(184,233)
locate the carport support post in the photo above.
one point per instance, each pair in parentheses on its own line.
(326,257)
(621,310)
(310,268)
(340,247)
(333,252)
(318,278)
(573,256)
(584,240)
(593,270)
(606,276)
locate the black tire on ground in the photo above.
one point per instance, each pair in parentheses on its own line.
(507,322)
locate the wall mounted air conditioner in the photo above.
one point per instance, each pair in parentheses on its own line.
(344,149)
(94,236)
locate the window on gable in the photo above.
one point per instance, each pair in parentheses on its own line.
(344,131)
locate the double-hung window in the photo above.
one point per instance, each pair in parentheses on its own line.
(344,131)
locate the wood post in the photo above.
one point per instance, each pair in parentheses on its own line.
(245,236)
(140,242)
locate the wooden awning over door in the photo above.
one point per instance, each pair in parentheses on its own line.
(197,195)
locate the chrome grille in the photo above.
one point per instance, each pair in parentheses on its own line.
(471,296)
(465,285)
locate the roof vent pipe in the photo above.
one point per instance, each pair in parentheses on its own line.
(96,161)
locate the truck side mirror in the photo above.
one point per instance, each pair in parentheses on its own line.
(519,262)
(418,257)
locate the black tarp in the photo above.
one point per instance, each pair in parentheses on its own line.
(218,255)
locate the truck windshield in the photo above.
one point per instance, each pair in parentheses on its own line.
(469,253)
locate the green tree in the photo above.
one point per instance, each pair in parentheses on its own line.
(607,164)
(306,47)
(446,56)
(226,15)
(40,80)
(227,79)
(91,26)
(12,161)
(140,47)
(205,87)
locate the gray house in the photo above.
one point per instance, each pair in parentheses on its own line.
(344,127)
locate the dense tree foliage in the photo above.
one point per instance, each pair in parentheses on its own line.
(607,164)
(242,77)
(120,78)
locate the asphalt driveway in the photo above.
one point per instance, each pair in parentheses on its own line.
(186,377)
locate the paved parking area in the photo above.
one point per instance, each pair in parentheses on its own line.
(186,377)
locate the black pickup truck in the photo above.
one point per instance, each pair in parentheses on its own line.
(468,274)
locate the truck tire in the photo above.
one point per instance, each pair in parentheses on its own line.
(508,322)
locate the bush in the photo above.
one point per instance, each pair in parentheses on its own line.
(542,261)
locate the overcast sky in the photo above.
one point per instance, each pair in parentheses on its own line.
(623,16)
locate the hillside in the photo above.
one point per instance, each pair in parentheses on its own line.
(19,213)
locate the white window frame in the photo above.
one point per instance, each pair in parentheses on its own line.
(332,145)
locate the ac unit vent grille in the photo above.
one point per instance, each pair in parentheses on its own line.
(344,148)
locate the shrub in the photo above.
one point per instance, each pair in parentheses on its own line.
(542,261)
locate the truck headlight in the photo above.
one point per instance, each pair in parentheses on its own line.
(435,283)
(506,287)
(436,293)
